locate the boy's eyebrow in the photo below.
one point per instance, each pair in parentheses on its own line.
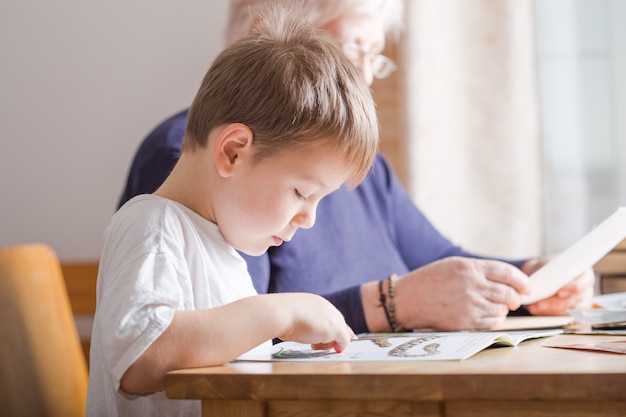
(328,187)
(321,183)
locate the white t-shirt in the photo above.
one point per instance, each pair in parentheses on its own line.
(158,257)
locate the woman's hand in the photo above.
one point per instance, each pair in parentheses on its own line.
(577,294)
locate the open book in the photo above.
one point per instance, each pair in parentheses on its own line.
(426,346)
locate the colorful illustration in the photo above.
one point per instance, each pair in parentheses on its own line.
(381,340)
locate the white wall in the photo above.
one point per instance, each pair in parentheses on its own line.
(81,83)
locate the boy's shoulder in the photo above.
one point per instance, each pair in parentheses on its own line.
(149,214)
(147,223)
(143,203)
(146,211)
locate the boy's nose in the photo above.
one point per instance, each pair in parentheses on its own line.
(304,220)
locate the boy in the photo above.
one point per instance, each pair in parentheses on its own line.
(377,229)
(281,120)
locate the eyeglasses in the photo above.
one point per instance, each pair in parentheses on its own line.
(382,66)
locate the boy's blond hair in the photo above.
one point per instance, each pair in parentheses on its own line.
(294,88)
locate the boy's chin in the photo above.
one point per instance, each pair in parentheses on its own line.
(258,251)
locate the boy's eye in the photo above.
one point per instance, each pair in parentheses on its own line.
(299,195)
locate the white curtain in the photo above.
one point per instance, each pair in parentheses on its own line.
(472,122)
(582,78)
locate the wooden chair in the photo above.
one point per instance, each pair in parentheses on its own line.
(80,282)
(42,367)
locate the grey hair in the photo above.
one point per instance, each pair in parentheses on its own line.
(242,13)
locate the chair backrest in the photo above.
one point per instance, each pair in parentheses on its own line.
(42,367)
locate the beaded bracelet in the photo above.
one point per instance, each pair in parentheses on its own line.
(390,310)
(383,303)
(392,307)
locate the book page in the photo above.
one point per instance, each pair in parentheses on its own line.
(534,322)
(426,346)
(582,255)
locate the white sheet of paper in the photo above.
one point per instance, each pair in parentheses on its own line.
(583,254)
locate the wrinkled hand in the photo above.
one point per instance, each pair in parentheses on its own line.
(316,321)
(459,294)
(576,294)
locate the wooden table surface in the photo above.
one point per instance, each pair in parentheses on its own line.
(527,380)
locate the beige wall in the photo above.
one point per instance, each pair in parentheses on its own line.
(81,83)
(390,101)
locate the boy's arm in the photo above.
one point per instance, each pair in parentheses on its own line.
(215,336)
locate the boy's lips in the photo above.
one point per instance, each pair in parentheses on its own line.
(279,240)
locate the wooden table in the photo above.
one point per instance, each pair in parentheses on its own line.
(527,380)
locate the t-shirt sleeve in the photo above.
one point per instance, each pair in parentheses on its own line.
(134,309)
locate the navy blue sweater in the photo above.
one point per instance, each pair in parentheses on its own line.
(359,236)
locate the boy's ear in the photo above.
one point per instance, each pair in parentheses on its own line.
(233,145)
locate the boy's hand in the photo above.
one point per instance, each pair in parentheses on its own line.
(316,321)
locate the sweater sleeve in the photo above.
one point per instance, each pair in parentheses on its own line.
(417,241)
(350,304)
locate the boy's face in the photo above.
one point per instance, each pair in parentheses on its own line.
(266,203)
